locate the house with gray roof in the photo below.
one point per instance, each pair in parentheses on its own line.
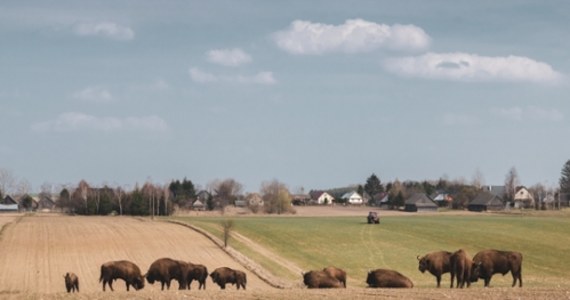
(420,203)
(486,201)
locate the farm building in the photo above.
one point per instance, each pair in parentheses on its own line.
(353,198)
(320,197)
(9,204)
(523,198)
(420,203)
(486,201)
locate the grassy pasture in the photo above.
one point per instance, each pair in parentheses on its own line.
(354,245)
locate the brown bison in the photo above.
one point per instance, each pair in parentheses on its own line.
(461,268)
(382,278)
(166,269)
(199,273)
(121,269)
(437,263)
(224,275)
(489,262)
(71,282)
(337,273)
(320,280)
(373,218)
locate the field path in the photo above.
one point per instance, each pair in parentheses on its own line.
(38,250)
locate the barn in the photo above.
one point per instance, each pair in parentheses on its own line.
(420,203)
(486,201)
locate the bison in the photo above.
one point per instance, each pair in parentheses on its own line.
(121,269)
(489,262)
(437,263)
(224,275)
(199,273)
(71,282)
(373,218)
(320,280)
(382,278)
(461,268)
(337,273)
(166,269)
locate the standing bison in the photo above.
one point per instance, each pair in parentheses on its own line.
(337,273)
(71,282)
(382,278)
(121,269)
(489,262)
(461,268)
(166,269)
(320,280)
(199,273)
(224,275)
(437,263)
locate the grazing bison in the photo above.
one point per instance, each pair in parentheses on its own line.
(121,269)
(71,282)
(320,280)
(224,275)
(382,278)
(166,269)
(337,273)
(437,263)
(489,262)
(198,273)
(373,218)
(461,268)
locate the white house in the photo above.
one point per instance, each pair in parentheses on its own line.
(523,198)
(353,198)
(320,197)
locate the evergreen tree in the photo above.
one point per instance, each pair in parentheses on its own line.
(565,180)
(373,185)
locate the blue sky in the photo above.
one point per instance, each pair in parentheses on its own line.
(316,94)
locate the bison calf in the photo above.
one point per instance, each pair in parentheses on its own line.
(460,268)
(320,280)
(71,282)
(337,273)
(225,275)
(437,263)
(121,269)
(382,278)
(489,262)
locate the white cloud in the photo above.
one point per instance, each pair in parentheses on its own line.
(472,67)
(94,94)
(105,29)
(229,57)
(265,78)
(354,36)
(529,113)
(75,121)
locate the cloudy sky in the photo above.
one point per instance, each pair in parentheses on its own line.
(316,94)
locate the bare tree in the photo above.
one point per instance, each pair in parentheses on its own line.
(276,197)
(478,179)
(511,183)
(7,181)
(227,225)
(226,191)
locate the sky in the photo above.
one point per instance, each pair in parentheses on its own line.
(315,94)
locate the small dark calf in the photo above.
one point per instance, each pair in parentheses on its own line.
(71,282)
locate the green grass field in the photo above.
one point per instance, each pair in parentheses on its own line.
(354,245)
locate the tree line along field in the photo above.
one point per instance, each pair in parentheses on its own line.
(352,244)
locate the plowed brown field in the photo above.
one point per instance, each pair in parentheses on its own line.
(36,251)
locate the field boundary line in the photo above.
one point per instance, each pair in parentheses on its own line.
(243,260)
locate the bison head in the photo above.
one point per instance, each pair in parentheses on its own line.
(138,283)
(475,271)
(423,263)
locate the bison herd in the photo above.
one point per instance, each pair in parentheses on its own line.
(462,268)
(163,270)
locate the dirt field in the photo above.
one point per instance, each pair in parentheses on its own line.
(38,250)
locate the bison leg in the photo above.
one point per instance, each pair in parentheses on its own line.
(487,280)
(202,284)
(438,279)
(516,276)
